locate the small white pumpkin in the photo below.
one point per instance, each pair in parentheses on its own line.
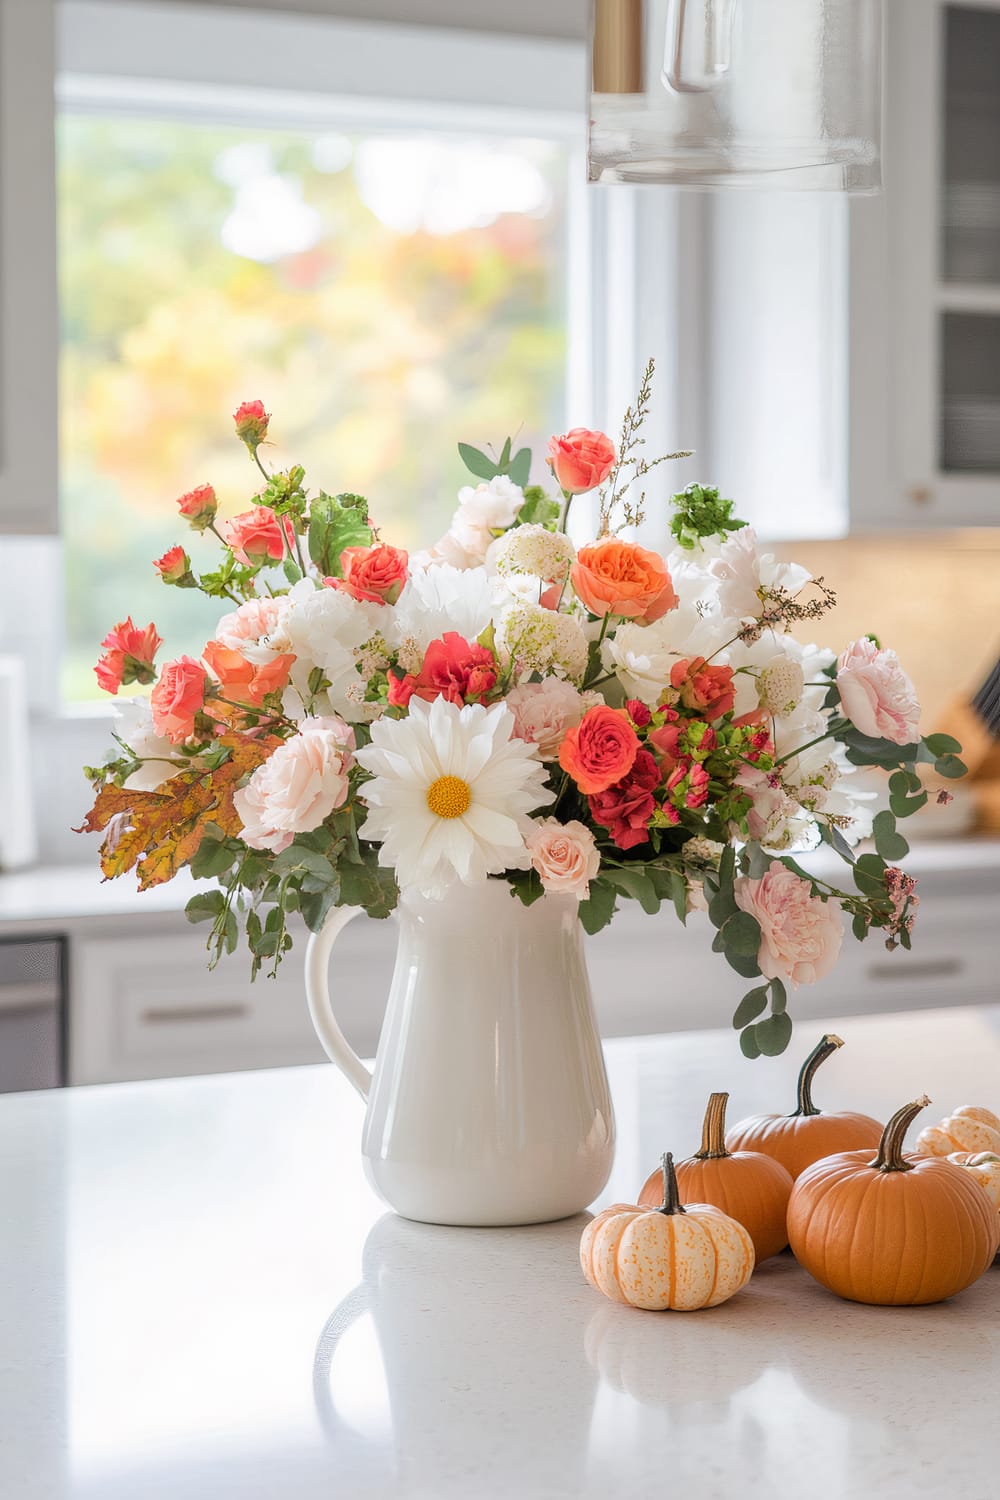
(985,1167)
(968,1128)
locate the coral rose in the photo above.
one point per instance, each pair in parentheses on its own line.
(626,809)
(246,681)
(453,668)
(174,566)
(581,459)
(198,507)
(564,855)
(600,750)
(257,536)
(800,935)
(251,423)
(703,689)
(177,698)
(373,573)
(876,694)
(622,579)
(543,711)
(303,782)
(128,655)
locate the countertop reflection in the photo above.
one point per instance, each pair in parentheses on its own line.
(200,1296)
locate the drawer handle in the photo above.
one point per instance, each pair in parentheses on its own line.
(927,968)
(170,1015)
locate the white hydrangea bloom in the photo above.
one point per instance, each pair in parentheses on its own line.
(540,640)
(534,550)
(780,685)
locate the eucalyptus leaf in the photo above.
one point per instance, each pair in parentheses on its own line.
(750,1007)
(741,934)
(519,471)
(748,1043)
(950,766)
(596,912)
(205,907)
(889,843)
(942,744)
(779,997)
(773,1034)
(477,463)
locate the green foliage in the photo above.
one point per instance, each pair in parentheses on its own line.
(516,468)
(890,844)
(770,1036)
(596,912)
(538,509)
(701,512)
(336,522)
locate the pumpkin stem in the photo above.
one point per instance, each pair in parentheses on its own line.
(824,1048)
(713,1131)
(671,1193)
(890,1156)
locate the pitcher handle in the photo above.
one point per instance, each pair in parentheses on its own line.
(335,1044)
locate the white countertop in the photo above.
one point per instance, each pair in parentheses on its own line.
(201,1297)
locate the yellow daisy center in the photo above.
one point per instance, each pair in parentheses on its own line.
(449,797)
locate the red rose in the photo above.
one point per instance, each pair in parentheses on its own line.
(703,689)
(600,750)
(128,655)
(373,573)
(251,423)
(257,536)
(626,809)
(453,668)
(581,459)
(639,712)
(177,698)
(198,507)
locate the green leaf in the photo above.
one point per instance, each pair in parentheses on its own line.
(750,1007)
(679,895)
(859,927)
(213,856)
(538,509)
(636,883)
(950,766)
(942,744)
(890,844)
(748,1043)
(727,866)
(773,1034)
(902,783)
(596,912)
(527,886)
(746,968)
(779,997)
(505,455)
(316,906)
(722,907)
(336,522)
(741,934)
(520,470)
(292,571)
(370,886)
(840,844)
(760,861)
(905,807)
(205,907)
(477,463)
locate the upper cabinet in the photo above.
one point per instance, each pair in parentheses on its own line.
(942,266)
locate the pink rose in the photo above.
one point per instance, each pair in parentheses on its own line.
(543,711)
(177,698)
(876,694)
(302,783)
(198,507)
(257,536)
(581,459)
(251,622)
(565,857)
(128,655)
(251,423)
(800,935)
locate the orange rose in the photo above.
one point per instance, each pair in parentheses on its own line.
(618,578)
(581,459)
(373,573)
(240,679)
(177,698)
(601,750)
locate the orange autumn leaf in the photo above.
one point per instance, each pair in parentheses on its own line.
(158,832)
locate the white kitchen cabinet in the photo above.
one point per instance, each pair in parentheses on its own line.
(942,269)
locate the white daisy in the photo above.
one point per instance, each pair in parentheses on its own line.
(450,794)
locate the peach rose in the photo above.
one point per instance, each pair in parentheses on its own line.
(198,507)
(601,750)
(565,857)
(373,573)
(302,783)
(257,536)
(876,694)
(581,459)
(177,698)
(800,935)
(618,578)
(245,681)
(543,711)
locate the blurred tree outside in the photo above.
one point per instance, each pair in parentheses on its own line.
(385,295)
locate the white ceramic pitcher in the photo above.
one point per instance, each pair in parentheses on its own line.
(489,1101)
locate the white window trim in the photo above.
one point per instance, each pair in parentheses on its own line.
(626,279)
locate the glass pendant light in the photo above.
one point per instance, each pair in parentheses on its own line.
(764,93)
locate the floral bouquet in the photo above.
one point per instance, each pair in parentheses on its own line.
(597,720)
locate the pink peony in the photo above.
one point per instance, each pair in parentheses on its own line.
(800,935)
(876,694)
(302,783)
(565,857)
(543,711)
(257,536)
(770,806)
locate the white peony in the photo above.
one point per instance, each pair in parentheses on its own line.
(641,656)
(299,785)
(742,572)
(327,628)
(483,511)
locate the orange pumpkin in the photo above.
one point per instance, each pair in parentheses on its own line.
(806,1135)
(682,1257)
(968,1128)
(896,1231)
(746,1185)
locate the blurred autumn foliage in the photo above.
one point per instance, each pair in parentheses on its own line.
(202,265)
